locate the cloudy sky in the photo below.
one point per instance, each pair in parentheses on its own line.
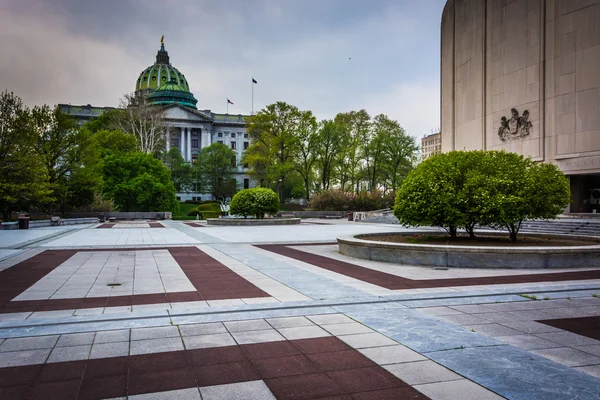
(327,56)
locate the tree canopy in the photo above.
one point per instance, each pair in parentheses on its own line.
(466,189)
(216,166)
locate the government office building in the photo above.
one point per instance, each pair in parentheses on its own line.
(524,76)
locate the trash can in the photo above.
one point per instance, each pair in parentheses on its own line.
(350,215)
(102,217)
(23,221)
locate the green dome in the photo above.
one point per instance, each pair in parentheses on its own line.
(171,92)
(161,72)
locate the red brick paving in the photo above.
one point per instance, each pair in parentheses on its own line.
(289,376)
(105,226)
(585,326)
(155,225)
(194,224)
(212,280)
(394,282)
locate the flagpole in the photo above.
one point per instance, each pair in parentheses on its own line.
(252,83)
(227,106)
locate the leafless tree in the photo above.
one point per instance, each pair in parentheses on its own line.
(144,121)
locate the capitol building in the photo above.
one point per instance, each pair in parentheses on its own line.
(187,128)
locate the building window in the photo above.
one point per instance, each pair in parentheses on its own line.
(220,134)
(194,142)
(194,158)
(220,141)
(232,134)
(246,144)
(245,136)
(233,145)
(233,162)
(176,142)
(246,183)
(246,165)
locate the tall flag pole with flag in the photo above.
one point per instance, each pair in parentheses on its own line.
(253,82)
(228,103)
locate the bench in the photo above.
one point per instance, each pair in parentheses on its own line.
(112,219)
(55,220)
(286,214)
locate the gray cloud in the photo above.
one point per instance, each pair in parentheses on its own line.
(76,51)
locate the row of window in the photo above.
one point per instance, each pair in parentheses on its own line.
(233,134)
(195,144)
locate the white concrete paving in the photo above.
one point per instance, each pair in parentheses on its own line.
(122,237)
(88,274)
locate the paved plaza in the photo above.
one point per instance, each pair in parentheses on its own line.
(181,310)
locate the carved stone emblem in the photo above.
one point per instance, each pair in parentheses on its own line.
(517,127)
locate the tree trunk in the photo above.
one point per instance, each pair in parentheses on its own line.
(452,230)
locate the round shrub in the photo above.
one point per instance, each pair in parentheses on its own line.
(193,212)
(256,202)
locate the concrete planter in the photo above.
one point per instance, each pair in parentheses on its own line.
(252,222)
(448,256)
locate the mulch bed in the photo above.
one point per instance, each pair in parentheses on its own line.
(480,240)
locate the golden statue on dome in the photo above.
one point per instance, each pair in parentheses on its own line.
(162,40)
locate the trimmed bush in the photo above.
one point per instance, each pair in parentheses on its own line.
(210,214)
(193,212)
(256,202)
(465,189)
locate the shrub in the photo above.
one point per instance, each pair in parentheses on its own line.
(209,207)
(463,189)
(193,212)
(210,214)
(256,202)
(337,200)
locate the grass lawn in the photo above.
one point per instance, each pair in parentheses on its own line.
(182,213)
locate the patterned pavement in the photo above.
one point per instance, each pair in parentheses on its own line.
(196,312)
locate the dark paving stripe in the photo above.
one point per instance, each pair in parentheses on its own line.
(103,226)
(291,369)
(155,225)
(194,225)
(18,278)
(585,326)
(212,280)
(394,282)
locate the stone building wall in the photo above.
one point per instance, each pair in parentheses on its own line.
(542,56)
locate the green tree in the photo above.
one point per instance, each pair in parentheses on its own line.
(104,122)
(274,133)
(463,189)
(256,202)
(327,148)
(138,182)
(511,189)
(181,171)
(115,141)
(216,165)
(435,192)
(23,178)
(400,154)
(67,153)
(354,135)
(306,144)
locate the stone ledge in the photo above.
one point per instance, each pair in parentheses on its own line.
(448,256)
(252,221)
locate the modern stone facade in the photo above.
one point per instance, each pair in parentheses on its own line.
(535,63)
(431,145)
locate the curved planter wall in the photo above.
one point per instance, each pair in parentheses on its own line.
(252,222)
(587,256)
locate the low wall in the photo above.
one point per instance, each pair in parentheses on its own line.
(252,221)
(448,256)
(46,222)
(314,214)
(139,215)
